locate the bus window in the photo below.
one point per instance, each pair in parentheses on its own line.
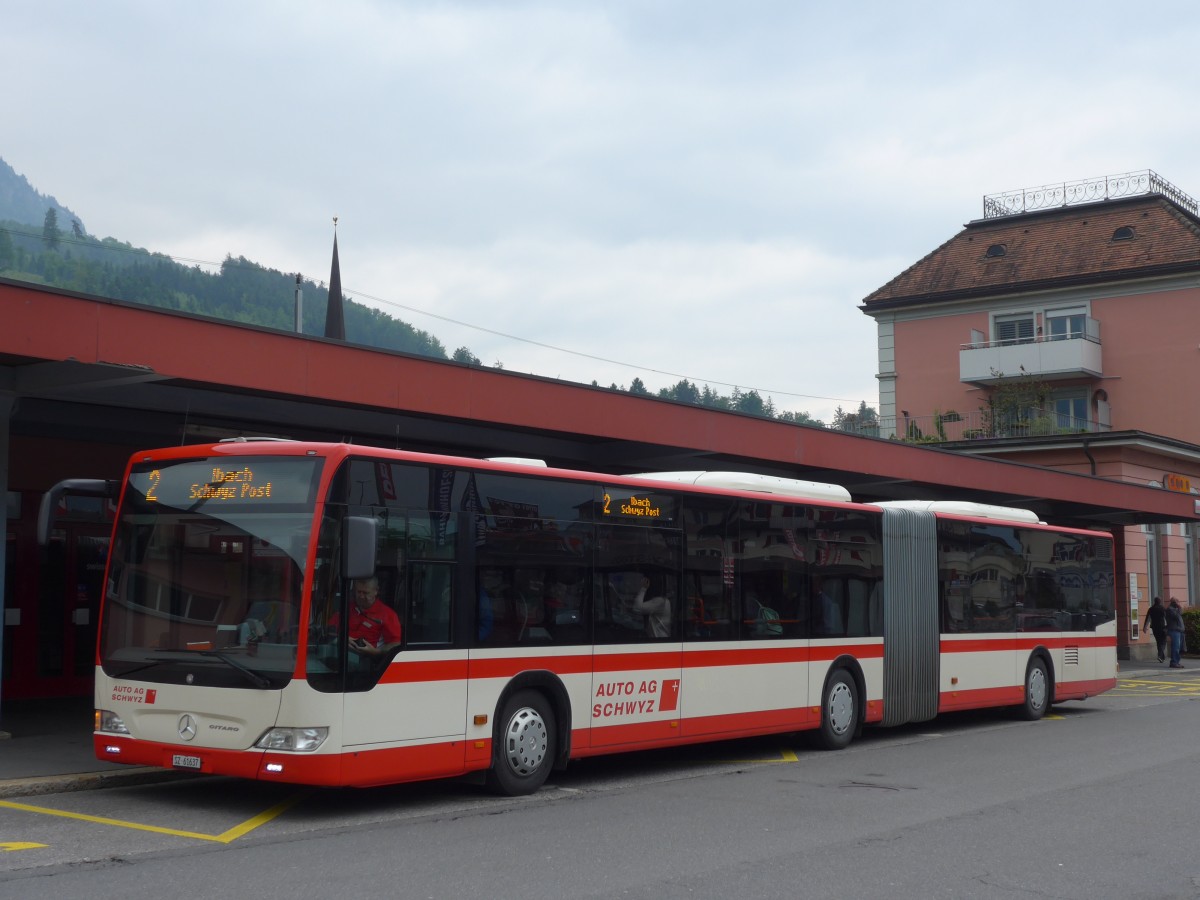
(531,581)
(430,601)
(708,580)
(636,584)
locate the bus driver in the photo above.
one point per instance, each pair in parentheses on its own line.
(374,626)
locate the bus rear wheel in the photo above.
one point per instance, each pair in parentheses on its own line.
(839,712)
(524,745)
(1037,690)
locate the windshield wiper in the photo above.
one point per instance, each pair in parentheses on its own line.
(147,665)
(254,678)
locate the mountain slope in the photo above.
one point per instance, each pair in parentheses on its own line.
(20,202)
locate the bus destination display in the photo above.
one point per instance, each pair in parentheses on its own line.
(632,506)
(226,482)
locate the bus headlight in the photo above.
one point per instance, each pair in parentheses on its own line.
(107,720)
(298,740)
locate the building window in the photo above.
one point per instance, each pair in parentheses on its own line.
(1065,324)
(1124,233)
(1015,329)
(1192,547)
(1154,544)
(1070,411)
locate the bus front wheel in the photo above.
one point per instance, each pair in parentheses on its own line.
(1037,690)
(839,712)
(524,745)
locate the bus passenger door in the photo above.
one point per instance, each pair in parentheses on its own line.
(638,658)
(417,706)
(68,608)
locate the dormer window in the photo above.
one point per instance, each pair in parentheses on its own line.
(1124,233)
(996,250)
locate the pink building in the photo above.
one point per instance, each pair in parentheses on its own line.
(1063,329)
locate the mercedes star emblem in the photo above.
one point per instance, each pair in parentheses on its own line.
(187,727)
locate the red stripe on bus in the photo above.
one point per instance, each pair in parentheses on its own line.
(703,659)
(768,655)
(400,672)
(669,733)
(412,670)
(979,698)
(769,721)
(415,670)
(1081,690)
(508,667)
(625,662)
(1014,695)
(986,645)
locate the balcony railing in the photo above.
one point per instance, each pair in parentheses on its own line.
(978,425)
(1072,354)
(1086,190)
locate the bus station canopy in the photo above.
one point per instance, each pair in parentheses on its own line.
(129,377)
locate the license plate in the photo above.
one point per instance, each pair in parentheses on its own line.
(185,762)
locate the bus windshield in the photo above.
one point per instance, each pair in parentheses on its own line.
(207,570)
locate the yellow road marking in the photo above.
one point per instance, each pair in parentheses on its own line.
(19,845)
(785,756)
(261,819)
(226,837)
(1150,687)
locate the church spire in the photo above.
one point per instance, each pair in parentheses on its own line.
(335,324)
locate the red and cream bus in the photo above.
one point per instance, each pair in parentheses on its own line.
(547,615)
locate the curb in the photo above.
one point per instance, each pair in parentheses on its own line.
(86,781)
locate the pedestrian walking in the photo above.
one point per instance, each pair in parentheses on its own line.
(1175,632)
(1156,622)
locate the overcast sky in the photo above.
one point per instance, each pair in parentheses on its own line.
(669,189)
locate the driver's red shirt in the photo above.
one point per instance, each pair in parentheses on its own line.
(377,626)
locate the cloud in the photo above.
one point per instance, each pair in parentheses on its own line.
(689,187)
(771,316)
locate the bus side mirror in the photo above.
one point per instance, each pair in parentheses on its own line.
(83,487)
(358,546)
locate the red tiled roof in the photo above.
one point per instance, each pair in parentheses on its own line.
(1067,244)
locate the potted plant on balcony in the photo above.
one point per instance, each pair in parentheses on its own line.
(1016,406)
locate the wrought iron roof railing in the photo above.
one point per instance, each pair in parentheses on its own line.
(1088,190)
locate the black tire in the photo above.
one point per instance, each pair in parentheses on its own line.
(839,712)
(1037,691)
(523,746)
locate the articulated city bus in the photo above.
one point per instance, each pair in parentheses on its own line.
(342,615)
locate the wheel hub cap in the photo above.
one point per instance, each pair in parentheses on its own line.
(841,709)
(525,741)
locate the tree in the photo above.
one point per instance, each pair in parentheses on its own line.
(712,399)
(864,421)
(750,402)
(684,392)
(800,418)
(50,236)
(463,355)
(637,386)
(6,250)
(77,230)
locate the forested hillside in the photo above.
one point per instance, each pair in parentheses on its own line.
(242,291)
(44,242)
(20,202)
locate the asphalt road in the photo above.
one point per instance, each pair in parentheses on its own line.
(1097,801)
